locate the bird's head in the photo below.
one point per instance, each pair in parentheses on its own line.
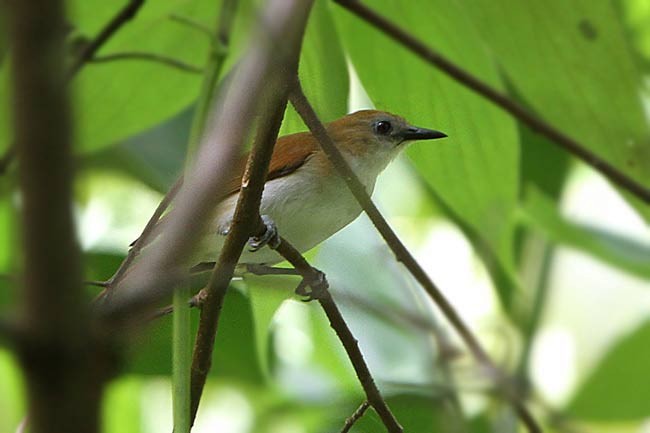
(376,135)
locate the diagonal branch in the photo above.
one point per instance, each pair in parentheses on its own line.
(356,415)
(429,55)
(316,279)
(286,24)
(306,111)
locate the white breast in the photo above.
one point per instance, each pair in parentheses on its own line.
(306,208)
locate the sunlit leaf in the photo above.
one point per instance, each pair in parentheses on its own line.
(234,354)
(122,406)
(323,72)
(571,63)
(266,295)
(475,170)
(119,98)
(415,414)
(627,254)
(619,387)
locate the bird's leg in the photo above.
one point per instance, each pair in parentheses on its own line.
(269,237)
(257,269)
(318,285)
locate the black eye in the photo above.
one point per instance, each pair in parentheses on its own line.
(383,127)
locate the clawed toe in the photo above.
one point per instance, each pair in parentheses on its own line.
(317,287)
(270,236)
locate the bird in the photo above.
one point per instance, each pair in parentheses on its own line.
(304,198)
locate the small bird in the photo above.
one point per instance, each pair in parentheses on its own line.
(304,198)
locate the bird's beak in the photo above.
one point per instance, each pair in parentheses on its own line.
(415,133)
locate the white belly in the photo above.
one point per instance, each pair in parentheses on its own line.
(306,212)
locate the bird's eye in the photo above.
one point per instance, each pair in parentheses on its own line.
(383,127)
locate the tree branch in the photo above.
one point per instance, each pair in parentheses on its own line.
(306,111)
(355,417)
(65,363)
(320,291)
(286,24)
(433,57)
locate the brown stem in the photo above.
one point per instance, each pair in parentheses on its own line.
(465,78)
(149,57)
(314,278)
(306,111)
(355,417)
(288,26)
(65,365)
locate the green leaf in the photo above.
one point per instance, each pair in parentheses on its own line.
(234,355)
(155,157)
(122,406)
(12,392)
(619,387)
(541,212)
(475,170)
(266,295)
(323,72)
(116,99)
(415,413)
(571,63)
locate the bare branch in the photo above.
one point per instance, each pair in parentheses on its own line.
(65,363)
(429,55)
(306,111)
(320,292)
(355,416)
(284,22)
(149,57)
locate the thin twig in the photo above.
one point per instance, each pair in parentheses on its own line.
(355,417)
(465,78)
(319,285)
(306,111)
(89,51)
(193,24)
(149,57)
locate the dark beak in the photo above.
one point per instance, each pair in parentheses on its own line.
(415,133)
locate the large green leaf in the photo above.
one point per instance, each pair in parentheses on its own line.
(619,388)
(415,413)
(571,63)
(541,212)
(475,170)
(266,294)
(322,71)
(119,98)
(234,355)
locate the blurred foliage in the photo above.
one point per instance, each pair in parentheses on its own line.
(619,387)
(580,65)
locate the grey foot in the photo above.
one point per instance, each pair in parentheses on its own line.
(270,236)
(313,289)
